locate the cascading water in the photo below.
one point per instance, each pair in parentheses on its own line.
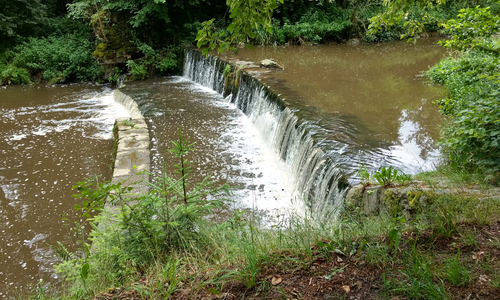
(317,179)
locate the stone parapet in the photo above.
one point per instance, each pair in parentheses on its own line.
(132,162)
(409,199)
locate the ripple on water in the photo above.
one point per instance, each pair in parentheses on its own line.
(51,139)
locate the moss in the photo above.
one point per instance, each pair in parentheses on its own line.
(101,51)
(391,202)
(238,75)
(413,198)
(417,200)
(117,45)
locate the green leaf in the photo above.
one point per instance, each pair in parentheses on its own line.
(395,237)
(85,271)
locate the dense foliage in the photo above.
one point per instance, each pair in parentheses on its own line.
(62,56)
(146,37)
(56,40)
(82,40)
(24,18)
(472,135)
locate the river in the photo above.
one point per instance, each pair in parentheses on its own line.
(51,138)
(340,106)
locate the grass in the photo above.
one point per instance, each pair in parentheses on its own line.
(469,238)
(173,252)
(456,272)
(416,280)
(446,176)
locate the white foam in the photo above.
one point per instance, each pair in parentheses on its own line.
(17,137)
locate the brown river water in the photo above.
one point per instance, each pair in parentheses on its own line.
(377,89)
(53,137)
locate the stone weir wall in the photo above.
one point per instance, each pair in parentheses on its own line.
(284,124)
(132,153)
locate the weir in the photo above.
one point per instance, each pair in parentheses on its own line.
(317,178)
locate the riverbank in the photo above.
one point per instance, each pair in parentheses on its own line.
(449,250)
(163,246)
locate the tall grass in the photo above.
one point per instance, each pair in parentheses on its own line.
(152,245)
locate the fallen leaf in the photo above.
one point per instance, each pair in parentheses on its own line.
(346,288)
(276,280)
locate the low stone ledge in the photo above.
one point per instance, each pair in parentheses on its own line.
(377,200)
(132,162)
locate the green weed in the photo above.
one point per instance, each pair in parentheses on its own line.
(444,221)
(471,135)
(364,175)
(496,281)
(455,272)
(377,254)
(469,238)
(386,176)
(416,280)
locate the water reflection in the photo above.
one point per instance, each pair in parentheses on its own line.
(369,97)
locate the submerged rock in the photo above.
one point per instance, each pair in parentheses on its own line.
(271,64)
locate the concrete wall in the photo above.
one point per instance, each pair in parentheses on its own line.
(132,153)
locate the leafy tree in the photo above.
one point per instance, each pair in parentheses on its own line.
(472,28)
(247,17)
(398,10)
(18,17)
(158,23)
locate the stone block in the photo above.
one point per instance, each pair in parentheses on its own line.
(371,202)
(355,195)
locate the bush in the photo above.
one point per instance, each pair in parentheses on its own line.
(471,138)
(168,62)
(138,71)
(163,61)
(316,25)
(145,230)
(11,74)
(58,59)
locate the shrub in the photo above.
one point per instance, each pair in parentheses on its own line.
(162,61)
(168,62)
(148,229)
(138,71)
(13,75)
(315,25)
(64,58)
(471,138)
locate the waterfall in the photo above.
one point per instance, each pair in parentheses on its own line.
(317,178)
